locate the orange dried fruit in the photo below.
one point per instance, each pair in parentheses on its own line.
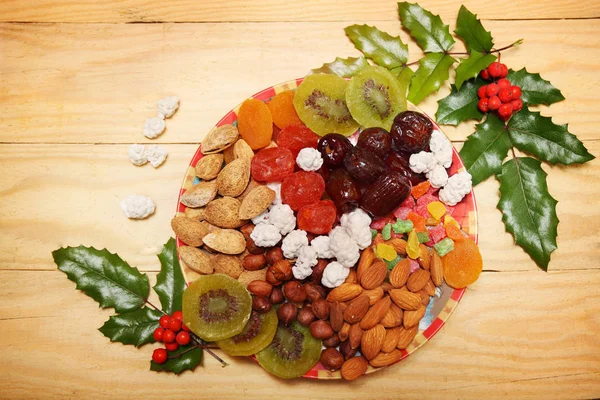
(420,189)
(463,265)
(255,123)
(282,109)
(454,233)
(418,221)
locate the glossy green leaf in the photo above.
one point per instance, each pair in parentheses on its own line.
(405,75)
(528,210)
(344,67)
(535,90)
(538,135)
(385,50)
(470,67)
(432,72)
(170,283)
(460,105)
(104,276)
(135,327)
(484,150)
(183,359)
(430,33)
(472,32)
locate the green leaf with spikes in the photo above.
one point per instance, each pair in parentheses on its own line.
(344,67)
(470,67)
(170,283)
(534,89)
(135,327)
(385,50)
(433,71)
(472,32)
(430,33)
(460,105)
(183,359)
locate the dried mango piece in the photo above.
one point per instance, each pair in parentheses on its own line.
(417,220)
(454,232)
(386,252)
(436,209)
(412,245)
(463,265)
(420,189)
(449,220)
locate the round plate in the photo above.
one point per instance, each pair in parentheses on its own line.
(440,307)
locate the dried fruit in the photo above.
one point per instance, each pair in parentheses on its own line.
(363,165)
(302,188)
(333,148)
(385,194)
(372,340)
(296,138)
(376,141)
(233,179)
(405,300)
(344,292)
(272,164)
(282,109)
(375,313)
(255,202)
(411,131)
(317,218)
(200,194)
(219,138)
(256,335)
(255,123)
(342,190)
(196,259)
(227,241)
(463,265)
(374,276)
(189,231)
(208,167)
(417,280)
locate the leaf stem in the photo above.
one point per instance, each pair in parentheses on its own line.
(156,308)
(205,346)
(464,53)
(183,352)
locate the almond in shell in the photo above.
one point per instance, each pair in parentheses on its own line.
(228,265)
(406,336)
(224,213)
(248,276)
(371,341)
(376,313)
(234,178)
(374,275)
(412,318)
(197,260)
(219,138)
(190,231)
(241,149)
(257,201)
(405,300)
(208,167)
(251,186)
(226,241)
(354,368)
(400,273)
(194,213)
(384,359)
(345,292)
(393,317)
(200,194)
(417,280)
(357,309)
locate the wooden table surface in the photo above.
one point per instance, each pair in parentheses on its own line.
(77,81)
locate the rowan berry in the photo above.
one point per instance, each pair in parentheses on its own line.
(483,105)
(184,327)
(168,336)
(505,111)
(159,356)
(495,69)
(164,321)
(504,71)
(516,92)
(172,346)
(175,325)
(481,92)
(485,74)
(503,83)
(517,104)
(492,90)
(494,103)
(158,334)
(183,338)
(178,315)
(505,95)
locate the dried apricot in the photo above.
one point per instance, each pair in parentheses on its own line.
(418,221)
(317,218)
(272,164)
(301,188)
(420,189)
(255,123)
(463,265)
(282,109)
(454,232)
(297,137)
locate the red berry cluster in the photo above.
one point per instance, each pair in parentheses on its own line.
(173,333)
(499,95)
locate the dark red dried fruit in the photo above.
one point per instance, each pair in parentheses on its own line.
(375,140)
(399,162)
(386,194)
(363,165)
(333,148)
(411,131)
(342,190)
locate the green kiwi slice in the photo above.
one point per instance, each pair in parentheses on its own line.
(320,102)
(257,335)
(374,97)
(292,353)
(216,307)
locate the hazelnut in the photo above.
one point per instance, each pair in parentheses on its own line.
(287,313)
(254,262)
(314,292)
(321,329)
(270,277)
(332,359)
(294,291)
(282,270)
(276,296)
(333,341)
(261,304)
(306,316)
(253,248)
(321,308)
(260,288)
(347,350)
(273,255)
(247,229)
(317,273)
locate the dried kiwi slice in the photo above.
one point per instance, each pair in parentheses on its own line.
(216,307)
(374,97)
(320,102)
(292,353)
(257,335)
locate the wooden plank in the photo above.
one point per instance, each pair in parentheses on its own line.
(273,10)
(98,83)
(516,334)
(66,195)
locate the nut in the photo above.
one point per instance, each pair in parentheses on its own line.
(355,335)
(366,259)
(374,275)
(306,316)
(344,332)
(412,318)
(405,299)
(252,247)
(336,315)
(417,280)
(270,277)
(282,270)
(200,194)
(332,359)
(351,278)
(357,309)
(248,276)
(393,317)
(386,287)
(371,341)
(374,295)
(227,241)
(384,359)
(429,288)
(398,244)
(276,296)
(219,138)
(347,350)
(400,273)
(287,313)
(247,229)
(391,339)
(196,259)
(406,336)
(436,269)
(321,308)
(424,297)
(253,262)
(208,167)
(317,273)
(345,292)
(256,201)
(321,329)
(294,292)
(333,341)
(314,292)
(354,368)
(260,288)
(425,257)
(223,212)
(274,254)
(261,304)
(189,231)
(228,265)
(376,313)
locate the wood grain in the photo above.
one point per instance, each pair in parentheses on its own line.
(66,195)
(98,83)
(516,334)
(274,10)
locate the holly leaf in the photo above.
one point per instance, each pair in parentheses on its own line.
(405,75)
(472,32)
(344,67)
(427,29)
(104,276)
(135,327)
(528,210)
(385,50)
(484,150)
(460,105)
(470,67)
(432,72)
(183,359)
(170,283)
(538,135)
(534,89)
